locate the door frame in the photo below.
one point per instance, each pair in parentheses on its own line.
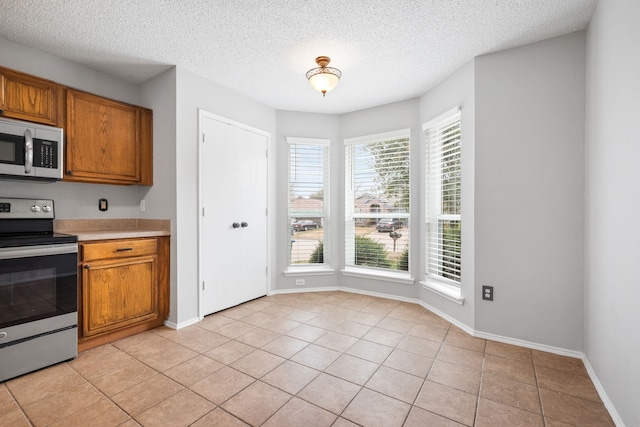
(203,114)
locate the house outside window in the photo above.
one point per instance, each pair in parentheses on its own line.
(443,196)
(308,207)
(377,202)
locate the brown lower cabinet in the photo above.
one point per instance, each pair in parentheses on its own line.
(124,288)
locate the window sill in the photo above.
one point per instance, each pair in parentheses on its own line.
(388,276)
(450,292)
(308,271)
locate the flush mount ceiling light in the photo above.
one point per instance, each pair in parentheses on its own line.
(323,78)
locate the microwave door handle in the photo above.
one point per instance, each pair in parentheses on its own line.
(28,151)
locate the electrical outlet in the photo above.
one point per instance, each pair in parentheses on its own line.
(487,293)
(299,282)
(143,206)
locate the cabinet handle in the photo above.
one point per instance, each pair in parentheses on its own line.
(124,249)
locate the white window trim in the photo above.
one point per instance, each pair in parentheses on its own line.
(313,269)
(308,270)
(379,274)
(450,292)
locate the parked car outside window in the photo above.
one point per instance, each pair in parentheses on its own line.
(388,224)
(304,225)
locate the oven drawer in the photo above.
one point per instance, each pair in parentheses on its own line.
(33,353)
(118,249)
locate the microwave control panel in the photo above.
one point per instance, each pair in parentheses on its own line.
(45,154)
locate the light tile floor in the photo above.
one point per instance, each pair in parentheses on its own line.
(311,359)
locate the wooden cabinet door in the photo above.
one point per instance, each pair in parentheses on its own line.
(118,293)
(103,140)
(29,98)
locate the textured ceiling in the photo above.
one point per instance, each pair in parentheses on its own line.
(387,50)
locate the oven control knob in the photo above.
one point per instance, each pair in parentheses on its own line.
(35,208)
(46,208)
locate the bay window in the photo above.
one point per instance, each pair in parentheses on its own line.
(377,205)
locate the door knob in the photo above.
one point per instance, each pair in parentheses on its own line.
(244,224)
(235,225)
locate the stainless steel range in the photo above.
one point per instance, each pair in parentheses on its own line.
(38,289)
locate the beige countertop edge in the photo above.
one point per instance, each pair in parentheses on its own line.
(88,235)
(104,229)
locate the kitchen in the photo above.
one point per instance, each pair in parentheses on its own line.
(174,96)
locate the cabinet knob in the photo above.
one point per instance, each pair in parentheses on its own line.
(244,224)
(87,266)
(235,225)
(69,172)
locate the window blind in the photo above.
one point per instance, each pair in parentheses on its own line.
(377,201)
(443,187)
(308,196)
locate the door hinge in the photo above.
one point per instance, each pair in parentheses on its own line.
(266,153)
(203,138)
(266,212)
(202,211)
(266,270)
(203,285)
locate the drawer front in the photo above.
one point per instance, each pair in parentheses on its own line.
(119,249)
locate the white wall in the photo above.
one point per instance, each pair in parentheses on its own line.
(529,191)
(307,125)
(456,90)
(194,92)
(612,293)
(72,200)
(159,94)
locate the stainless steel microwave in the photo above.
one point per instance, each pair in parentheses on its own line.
(30,151)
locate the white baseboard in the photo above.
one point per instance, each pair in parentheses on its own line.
(603,394)
(302,290)
(181,324)
(377,294)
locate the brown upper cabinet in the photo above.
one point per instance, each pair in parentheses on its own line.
(30,98)
(107,141)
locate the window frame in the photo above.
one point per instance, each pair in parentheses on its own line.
(325,266)
(446,286)
(352,269)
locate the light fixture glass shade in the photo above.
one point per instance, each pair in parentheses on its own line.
(323,79)
(323,82)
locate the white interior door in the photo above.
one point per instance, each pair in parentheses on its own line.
(234,215)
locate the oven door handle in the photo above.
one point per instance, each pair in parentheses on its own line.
(41,250)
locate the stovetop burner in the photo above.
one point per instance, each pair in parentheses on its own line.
(29,222)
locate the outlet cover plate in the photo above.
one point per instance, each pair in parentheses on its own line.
(487,293)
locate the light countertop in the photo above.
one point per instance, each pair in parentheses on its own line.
(104,229)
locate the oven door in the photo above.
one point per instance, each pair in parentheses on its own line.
(37,282)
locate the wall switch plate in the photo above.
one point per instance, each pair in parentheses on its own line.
(142,205)
(487,293)
(299,282)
